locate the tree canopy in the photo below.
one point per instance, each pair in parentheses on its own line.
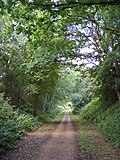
(42,40)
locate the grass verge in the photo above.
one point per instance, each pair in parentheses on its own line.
(92,143)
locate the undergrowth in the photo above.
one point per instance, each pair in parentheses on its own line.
(106,119)
(13,124)
(91,142)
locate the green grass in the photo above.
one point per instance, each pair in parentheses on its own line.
(107,119)
(58,117)
(49,118)
(91,142)
(109,123)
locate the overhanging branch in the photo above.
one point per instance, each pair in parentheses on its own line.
(62,6)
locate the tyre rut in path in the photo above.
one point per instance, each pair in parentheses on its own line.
(61,145)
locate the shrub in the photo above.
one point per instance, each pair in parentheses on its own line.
(13,124)
(89,110)
(44,117)
(27,122)
(10,132)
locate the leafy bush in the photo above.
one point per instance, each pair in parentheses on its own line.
(89,110)
(10,132)
(44,117)
(27,122)
(107,120)
(13,124)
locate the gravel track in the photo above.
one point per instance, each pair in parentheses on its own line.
(59,144)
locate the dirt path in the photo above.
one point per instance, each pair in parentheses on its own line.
(57,145)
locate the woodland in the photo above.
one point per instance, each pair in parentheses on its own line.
(58,53)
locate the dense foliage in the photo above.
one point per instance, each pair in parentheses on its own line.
(40,41)
(13,124)
(38,38)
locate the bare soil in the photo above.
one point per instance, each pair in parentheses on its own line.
(48,144)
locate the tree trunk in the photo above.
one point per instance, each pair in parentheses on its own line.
(34,105)
(45,103)
(118,94)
